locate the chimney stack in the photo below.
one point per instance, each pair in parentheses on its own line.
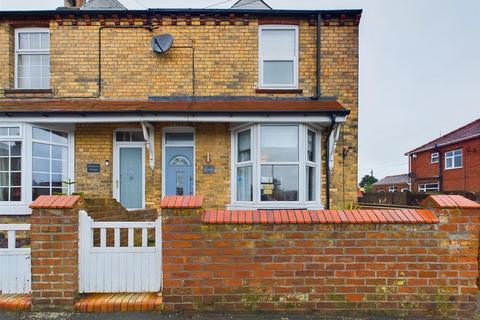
(73,4)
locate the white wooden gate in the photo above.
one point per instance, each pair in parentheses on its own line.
(120,256)
(15,263)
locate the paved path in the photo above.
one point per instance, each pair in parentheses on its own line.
(171,316)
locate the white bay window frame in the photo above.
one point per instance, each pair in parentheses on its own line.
(256,163)
(16,207)
(21,207)
(19,51)
(277,57)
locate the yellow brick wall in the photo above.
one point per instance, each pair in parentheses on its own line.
(226,64)
(6,56)
(94,144)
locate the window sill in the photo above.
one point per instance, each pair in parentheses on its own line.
(279,91)
(456,168)
(302,206)
(27,91)
(14,210)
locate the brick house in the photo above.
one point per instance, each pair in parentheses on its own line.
(449,163)
(235,109)
(396,183)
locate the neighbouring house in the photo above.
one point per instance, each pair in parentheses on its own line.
(252,107)
(395,183)
(449,163)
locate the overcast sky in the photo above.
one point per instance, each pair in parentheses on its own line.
(419,68)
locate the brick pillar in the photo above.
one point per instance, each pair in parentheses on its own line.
(54,243)
(460,221)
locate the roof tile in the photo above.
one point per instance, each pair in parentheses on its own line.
(99,106)
(463,133)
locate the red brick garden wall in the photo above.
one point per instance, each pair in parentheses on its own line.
(387,269)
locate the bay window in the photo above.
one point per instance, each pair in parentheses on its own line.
(276,166)
(10,164)
(34,161)
(49,165)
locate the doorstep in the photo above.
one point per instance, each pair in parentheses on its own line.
(119,302)
(15,302)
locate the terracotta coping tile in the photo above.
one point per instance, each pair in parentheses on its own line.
(385,216)
(450,201)
(306,216)
(182,202)
(55,202)
(350,217)
(119,302)
(15,302)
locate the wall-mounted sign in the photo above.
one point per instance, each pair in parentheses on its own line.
(93,167)
(208,169)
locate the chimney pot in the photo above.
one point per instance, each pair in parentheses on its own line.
(79,3)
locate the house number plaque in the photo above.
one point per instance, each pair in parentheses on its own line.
(93,168)
(208,169)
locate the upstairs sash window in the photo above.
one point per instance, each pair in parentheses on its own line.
(32,58)
(278,53)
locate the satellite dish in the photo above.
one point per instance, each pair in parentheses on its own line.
(162,43)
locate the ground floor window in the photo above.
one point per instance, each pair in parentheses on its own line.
(49,162)
(34,161)
(428,187)
(392,189)
(276,164)
(10,164)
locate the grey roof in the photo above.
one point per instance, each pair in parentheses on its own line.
(389,180)
(251,4)
(103,5)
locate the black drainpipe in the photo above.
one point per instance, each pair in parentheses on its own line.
(327,157)
(440,168)
(318,93)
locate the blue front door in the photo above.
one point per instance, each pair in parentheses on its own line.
(179,171)
(131,177)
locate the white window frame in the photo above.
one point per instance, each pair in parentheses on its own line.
(450,155)
(21,208)
(16,206)
(256,168)
(262,58)
(405,190)
(392,189)
(70,153)
(19,51)
(434,157)
(427,187)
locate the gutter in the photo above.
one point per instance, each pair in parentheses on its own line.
(81,13)
(319,61)
(440,168)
